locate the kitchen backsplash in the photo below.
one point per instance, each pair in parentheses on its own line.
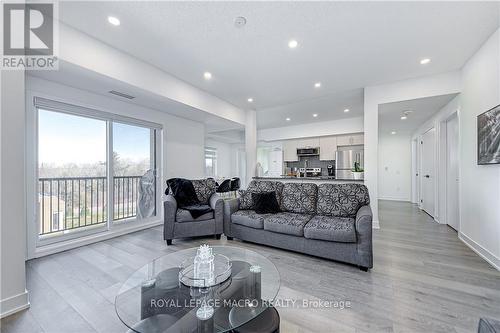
(313,162)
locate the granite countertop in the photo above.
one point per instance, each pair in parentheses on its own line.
(323,178)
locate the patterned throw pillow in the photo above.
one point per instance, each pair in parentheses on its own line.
(246,201)
(299,198)
(341,200)
(204,189)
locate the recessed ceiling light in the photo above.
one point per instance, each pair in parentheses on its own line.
(293,44)
(317,85)
(425,61)
(207,75)
(393,132)
(404,117)
(288,119)
(250,100)
(346,110)
(315,115)
(113,20)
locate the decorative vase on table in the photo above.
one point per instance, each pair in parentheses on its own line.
(204,266)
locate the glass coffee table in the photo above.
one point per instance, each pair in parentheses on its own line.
(154,300)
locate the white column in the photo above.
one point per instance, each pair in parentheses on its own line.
(250,144)
(371,153)
(14,296)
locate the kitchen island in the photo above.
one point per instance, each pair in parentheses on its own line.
(317,180)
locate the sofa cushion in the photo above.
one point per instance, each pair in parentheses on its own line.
(183,215)
(248,218)
(286,223)
(204,189)
(341,200)
(259,186)
(331,228)
(299,198)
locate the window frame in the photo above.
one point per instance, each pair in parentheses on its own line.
(212,150)
(36,101)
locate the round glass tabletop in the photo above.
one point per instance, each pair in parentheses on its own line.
(154,300)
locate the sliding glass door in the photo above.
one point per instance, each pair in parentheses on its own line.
(72,164)
(134,181)
(94,171)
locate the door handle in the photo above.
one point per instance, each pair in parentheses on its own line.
(427,176)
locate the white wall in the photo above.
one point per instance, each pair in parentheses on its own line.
(399,91)
(224,157)
(394,167)
(332,127)
(480,185)
(13,294)
(183,140)
(438,121)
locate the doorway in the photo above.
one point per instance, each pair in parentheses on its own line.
(428,178)
(452,173)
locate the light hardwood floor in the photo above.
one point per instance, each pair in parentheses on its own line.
(424,280)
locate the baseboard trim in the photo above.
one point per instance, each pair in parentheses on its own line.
(14,304)
(394,199)
(375,225)
(53,248)
(481,251)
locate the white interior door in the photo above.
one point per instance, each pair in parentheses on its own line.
(428,171)
(452,180)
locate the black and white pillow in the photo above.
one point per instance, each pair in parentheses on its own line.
(246,201)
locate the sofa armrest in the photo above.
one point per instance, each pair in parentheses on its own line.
(364,219)
(169,211)
(217,204)
(230,206)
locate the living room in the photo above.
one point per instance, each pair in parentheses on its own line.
(340,160)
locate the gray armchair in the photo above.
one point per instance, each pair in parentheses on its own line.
(179,223)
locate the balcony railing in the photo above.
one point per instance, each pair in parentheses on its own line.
(78,202)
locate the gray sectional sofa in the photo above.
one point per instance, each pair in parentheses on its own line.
(332,221)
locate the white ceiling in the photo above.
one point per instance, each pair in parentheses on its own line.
(77,77)
(327,107)
(422,110)
(345,45)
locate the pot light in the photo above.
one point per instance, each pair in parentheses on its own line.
(288,119)
(315,115)
(317,85)
(207,75)
(293,44)
(404,117)
(394,132)
(425,61)
(114,20)
(346,110)
(250,100)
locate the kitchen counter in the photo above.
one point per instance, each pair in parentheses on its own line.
(312,179)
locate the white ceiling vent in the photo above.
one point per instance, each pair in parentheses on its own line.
(117,93)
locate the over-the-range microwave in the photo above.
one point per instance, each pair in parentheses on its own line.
(307,151)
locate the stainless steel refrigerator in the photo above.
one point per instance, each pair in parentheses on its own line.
(344,162)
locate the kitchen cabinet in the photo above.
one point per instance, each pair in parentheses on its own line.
(327,148)
(308,143)
(350,140)
(290,151)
